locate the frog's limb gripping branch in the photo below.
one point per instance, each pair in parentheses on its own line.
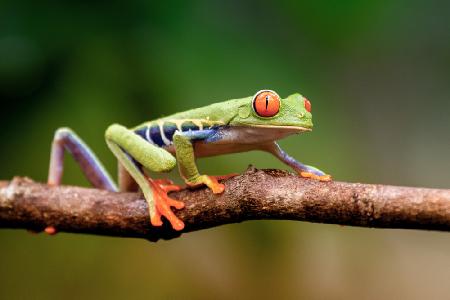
(257,194)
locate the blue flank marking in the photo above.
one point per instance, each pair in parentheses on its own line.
(141,132)
(208,135)
(191,131)
(217,135)
(200,134)
(169,131)
(155,135)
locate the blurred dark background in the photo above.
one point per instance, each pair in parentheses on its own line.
(377,74)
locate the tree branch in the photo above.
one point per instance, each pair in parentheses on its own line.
(254,195)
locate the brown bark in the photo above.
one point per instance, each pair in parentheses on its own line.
(254,195)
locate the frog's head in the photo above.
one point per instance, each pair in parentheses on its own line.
(267,109)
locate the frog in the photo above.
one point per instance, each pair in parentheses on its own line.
(238,125)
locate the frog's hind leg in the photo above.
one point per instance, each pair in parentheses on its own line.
(134,154)
(66,140)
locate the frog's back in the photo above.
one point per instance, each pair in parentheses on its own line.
(222,111)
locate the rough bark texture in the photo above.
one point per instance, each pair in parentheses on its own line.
(254,195)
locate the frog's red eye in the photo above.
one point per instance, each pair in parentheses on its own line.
(266,103)
(307,105)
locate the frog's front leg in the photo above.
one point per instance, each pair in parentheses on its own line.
(126,146)
(302,169)
(186,159)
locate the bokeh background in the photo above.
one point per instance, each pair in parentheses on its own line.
(377,74)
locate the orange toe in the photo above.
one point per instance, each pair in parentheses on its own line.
(156,219)
(163,203)
(214,184)
(218,188)
(50,230)
(325,178)
(166,185)
(175,203)
(316,177)
(177,224)
(171,188)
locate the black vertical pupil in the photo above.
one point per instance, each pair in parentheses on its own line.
(267,101)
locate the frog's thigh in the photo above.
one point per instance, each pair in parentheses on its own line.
(125,145)
(150,156)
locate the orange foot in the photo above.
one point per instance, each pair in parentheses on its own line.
(316,177)
(163,203)
(213,182)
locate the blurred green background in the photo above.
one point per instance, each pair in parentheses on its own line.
(377,74)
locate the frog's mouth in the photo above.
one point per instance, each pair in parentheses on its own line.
(284,127)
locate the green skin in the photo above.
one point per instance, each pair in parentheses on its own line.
(243,130)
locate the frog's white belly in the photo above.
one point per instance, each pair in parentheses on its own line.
(235,139)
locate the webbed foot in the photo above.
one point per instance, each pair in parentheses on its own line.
(212,182)
(311,175)
(163,203)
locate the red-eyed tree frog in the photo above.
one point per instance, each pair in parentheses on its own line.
(238,125)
